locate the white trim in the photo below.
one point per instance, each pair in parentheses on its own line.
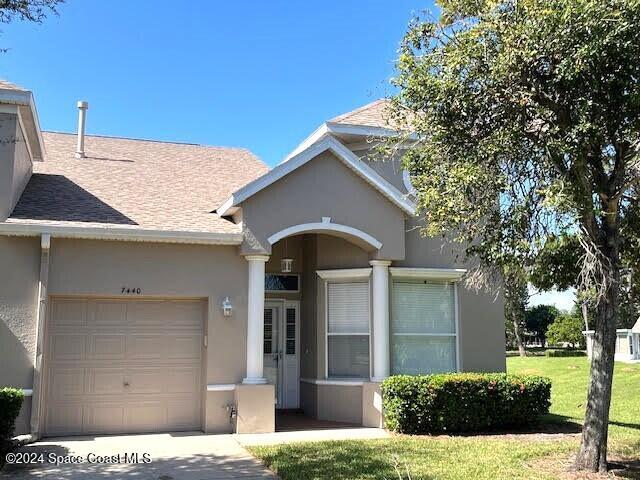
(27,392)
(255,320)
(406,180)
(345,129)
(123,234)
(365,130)
(221,387)
(317,134)
(345,274)
(25,99)
(344,383)
(380,319)
(324,143)
(257,258)
(451,274)
(456,311)
(325,227)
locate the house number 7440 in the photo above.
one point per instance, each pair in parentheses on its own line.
(131,291)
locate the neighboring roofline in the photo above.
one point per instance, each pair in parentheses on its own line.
(328,142)
(121,234)
(25,98)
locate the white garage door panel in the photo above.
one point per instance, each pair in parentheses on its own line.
(118,366)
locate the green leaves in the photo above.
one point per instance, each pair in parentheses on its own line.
(527,112)
(463,402)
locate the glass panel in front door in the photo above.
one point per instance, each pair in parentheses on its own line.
(272,353)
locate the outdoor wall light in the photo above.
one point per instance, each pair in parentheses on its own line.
(227,308)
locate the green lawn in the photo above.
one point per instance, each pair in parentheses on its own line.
(569,386)
(478,457)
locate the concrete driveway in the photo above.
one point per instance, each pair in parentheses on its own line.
(169,456)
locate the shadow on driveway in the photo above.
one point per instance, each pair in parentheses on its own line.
(158,457)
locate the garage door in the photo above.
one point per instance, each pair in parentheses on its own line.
(116,366)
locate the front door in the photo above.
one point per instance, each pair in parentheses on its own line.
(281,346)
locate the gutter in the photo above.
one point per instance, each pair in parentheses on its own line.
(120,234)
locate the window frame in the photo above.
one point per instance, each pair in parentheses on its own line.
(353,275)
(434,275)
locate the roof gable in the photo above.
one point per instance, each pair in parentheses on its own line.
(342,153)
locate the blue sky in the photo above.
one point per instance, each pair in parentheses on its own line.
(261,75)
(258,74)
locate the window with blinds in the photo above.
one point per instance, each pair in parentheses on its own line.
(348,319)
(423,327)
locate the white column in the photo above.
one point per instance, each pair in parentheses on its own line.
(380,281)
(255,320)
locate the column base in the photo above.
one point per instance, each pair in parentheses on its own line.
(256,406)
(254,381)
(378,379)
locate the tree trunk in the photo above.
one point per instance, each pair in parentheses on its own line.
(585,315)
(518,336)
(515,304)
(593,447)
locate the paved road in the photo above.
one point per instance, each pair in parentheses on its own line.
(176,456)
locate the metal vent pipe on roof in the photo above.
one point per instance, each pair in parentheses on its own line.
(82,115)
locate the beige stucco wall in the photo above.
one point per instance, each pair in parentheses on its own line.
(20,267)
(15,163)
(340,403)
(217,416)
(19,274)
(323,187)
(81,267)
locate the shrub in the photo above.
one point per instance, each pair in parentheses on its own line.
(463,402)
(10,404)
(565,353)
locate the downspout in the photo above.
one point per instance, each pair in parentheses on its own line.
(41,313)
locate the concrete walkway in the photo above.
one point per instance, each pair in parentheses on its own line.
(174,456)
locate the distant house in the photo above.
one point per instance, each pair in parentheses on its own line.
(627,343)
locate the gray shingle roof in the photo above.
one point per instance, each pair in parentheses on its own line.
(141,184)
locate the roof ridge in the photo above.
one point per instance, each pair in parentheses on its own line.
(346,115)
(134,139)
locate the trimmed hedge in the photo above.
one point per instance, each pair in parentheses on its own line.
(10,404)
(463,402)
(565,353)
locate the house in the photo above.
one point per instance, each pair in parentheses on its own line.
(157,286)
(627,343)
